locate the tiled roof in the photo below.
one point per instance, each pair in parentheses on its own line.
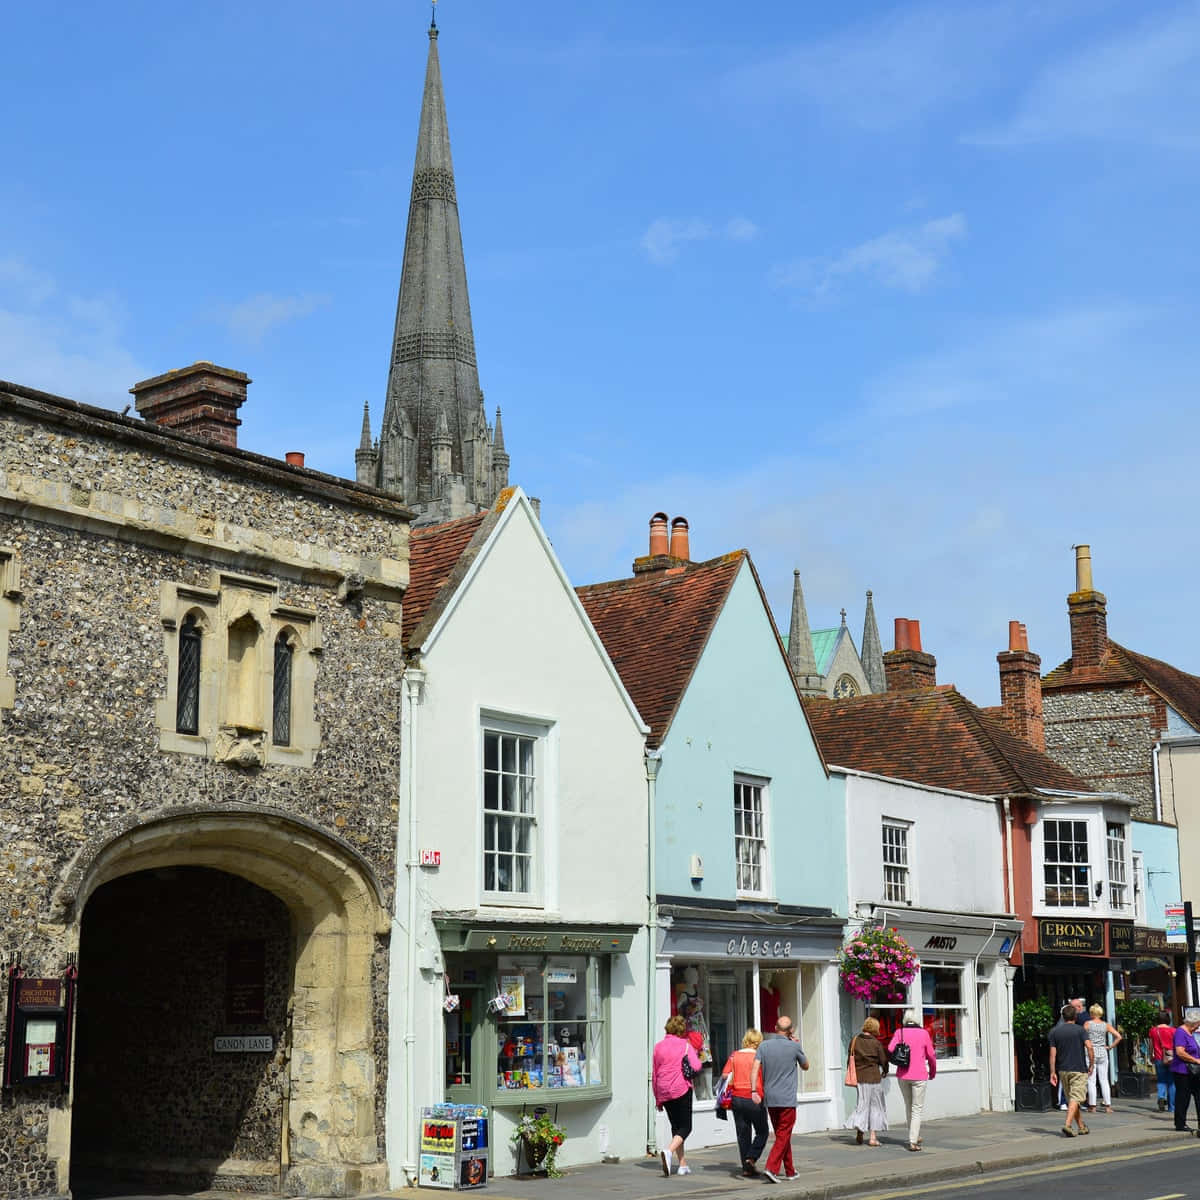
(936,737)
(1179,689)
(434,551)
(655,626)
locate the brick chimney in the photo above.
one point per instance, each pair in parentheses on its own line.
(664,557)
(908,667)
(202,400)
(1088,610)
(1021,687)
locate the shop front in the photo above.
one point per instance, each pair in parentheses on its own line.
(531,1018)
(729,971)
(963,998)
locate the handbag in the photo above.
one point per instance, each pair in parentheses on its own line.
(689,1072)
(851,1079)
(1193,1069)
(724,1098)
(902,1055)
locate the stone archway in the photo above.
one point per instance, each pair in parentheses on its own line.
(336,913)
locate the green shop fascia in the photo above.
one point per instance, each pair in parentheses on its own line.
(527,1011)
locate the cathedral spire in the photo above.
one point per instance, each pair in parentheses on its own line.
(433,380)
(366,458)
(800,647)
(872,651)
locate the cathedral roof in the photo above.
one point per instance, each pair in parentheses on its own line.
(655,626)
(1121,666)
(936,737)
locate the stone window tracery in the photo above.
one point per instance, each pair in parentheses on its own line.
(241,673)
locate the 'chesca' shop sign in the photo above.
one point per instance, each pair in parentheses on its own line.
(1071,937)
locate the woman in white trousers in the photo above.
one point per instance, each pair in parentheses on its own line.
(915,1076)
(1099,1031)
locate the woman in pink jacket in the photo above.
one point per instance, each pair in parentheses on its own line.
(673,1090)
(922,1067)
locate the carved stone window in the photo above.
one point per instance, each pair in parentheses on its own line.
(10,619)
(241,673)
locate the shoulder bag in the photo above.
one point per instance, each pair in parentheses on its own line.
(902,1055)
(851,1079)
(689,1072)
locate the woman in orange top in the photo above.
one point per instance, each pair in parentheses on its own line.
(749,1112)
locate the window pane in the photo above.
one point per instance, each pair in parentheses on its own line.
(521,880)
(504,834)
(491,792)
(527,756)
(508,793)
(508,754)
(524,838)
(491,751)
(489,872)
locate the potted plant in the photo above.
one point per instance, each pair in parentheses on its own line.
(1135,1017)
(877,964)
(539,1138)
(1032,1021)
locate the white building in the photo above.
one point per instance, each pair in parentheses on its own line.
(523,841)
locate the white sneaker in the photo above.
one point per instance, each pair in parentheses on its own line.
(1063,1107)
(668,1161)
(684,1171)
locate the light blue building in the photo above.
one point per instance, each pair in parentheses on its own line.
(748,859)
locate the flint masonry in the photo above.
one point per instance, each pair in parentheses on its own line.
(199,673)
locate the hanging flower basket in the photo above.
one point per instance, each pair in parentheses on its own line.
(539,1139)
(877,964)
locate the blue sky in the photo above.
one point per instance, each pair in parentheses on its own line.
(903,295)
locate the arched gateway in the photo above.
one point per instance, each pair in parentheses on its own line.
(292,967)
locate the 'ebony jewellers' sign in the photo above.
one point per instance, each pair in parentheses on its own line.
(1071,937)
(1121,939)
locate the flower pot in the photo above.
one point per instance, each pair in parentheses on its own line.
(1135,1084)
(1034,1097)
(535,1153)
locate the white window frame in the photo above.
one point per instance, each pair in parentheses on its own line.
(1068,864)
(753,784)
(1139,888)
(896,855)
(538,734)
(1120,891)
(914,1000)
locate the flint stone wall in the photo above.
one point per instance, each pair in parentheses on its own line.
(101,510)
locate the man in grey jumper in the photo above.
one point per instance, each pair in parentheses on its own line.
(773,1082)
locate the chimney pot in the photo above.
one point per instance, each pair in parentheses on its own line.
(914,634)
(658,534)
(1083,569)
(901,640)
(1014,636)
(679,539)
(295,458)
(908,666)
(1021,688)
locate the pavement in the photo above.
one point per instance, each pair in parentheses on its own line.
(830,1164)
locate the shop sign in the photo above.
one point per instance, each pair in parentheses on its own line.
(1071,937)
(542,941)
(931,940)
(39,993)
(1175,920)
(1151,941)
(1120,939)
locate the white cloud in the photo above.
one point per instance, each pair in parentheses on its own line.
(1142,85)
(664,239)
(256,316)
(882,73)
(63,343)
(905,259)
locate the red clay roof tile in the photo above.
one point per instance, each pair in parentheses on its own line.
(433,552)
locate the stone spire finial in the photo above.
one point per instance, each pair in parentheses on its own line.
(366,457)
(800,647)
(433,374)
(843,618)
(364,442)
(498,437)
(872,650)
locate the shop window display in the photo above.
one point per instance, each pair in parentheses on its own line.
(550,1023)
(943,1011)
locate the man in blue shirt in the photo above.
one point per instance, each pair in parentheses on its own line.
(1071,1057)
(773,1082)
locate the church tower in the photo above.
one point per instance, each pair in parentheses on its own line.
(436,449)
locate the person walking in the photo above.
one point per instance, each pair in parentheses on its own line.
(1071,1058)
(749,1112)
(1185,1064)
(1162,1049)
(870,1066)
(673,1090)
(915,1076)
(1099,1031)
(775,1063)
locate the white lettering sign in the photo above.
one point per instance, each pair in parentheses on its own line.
(249,1044)
(750,948)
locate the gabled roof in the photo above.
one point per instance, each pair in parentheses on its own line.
(433,553)
(937,737)
(1179,689)
(824,645)
(655,626)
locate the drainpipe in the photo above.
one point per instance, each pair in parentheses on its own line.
(1008,850)
(1158,809)
(653,761)
(411,697)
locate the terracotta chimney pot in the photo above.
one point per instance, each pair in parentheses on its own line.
(901,642)
(294,458)
(1014,636)
(914,634)
(679,539)
(658,534)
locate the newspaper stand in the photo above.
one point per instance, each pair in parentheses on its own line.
(454,1147)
